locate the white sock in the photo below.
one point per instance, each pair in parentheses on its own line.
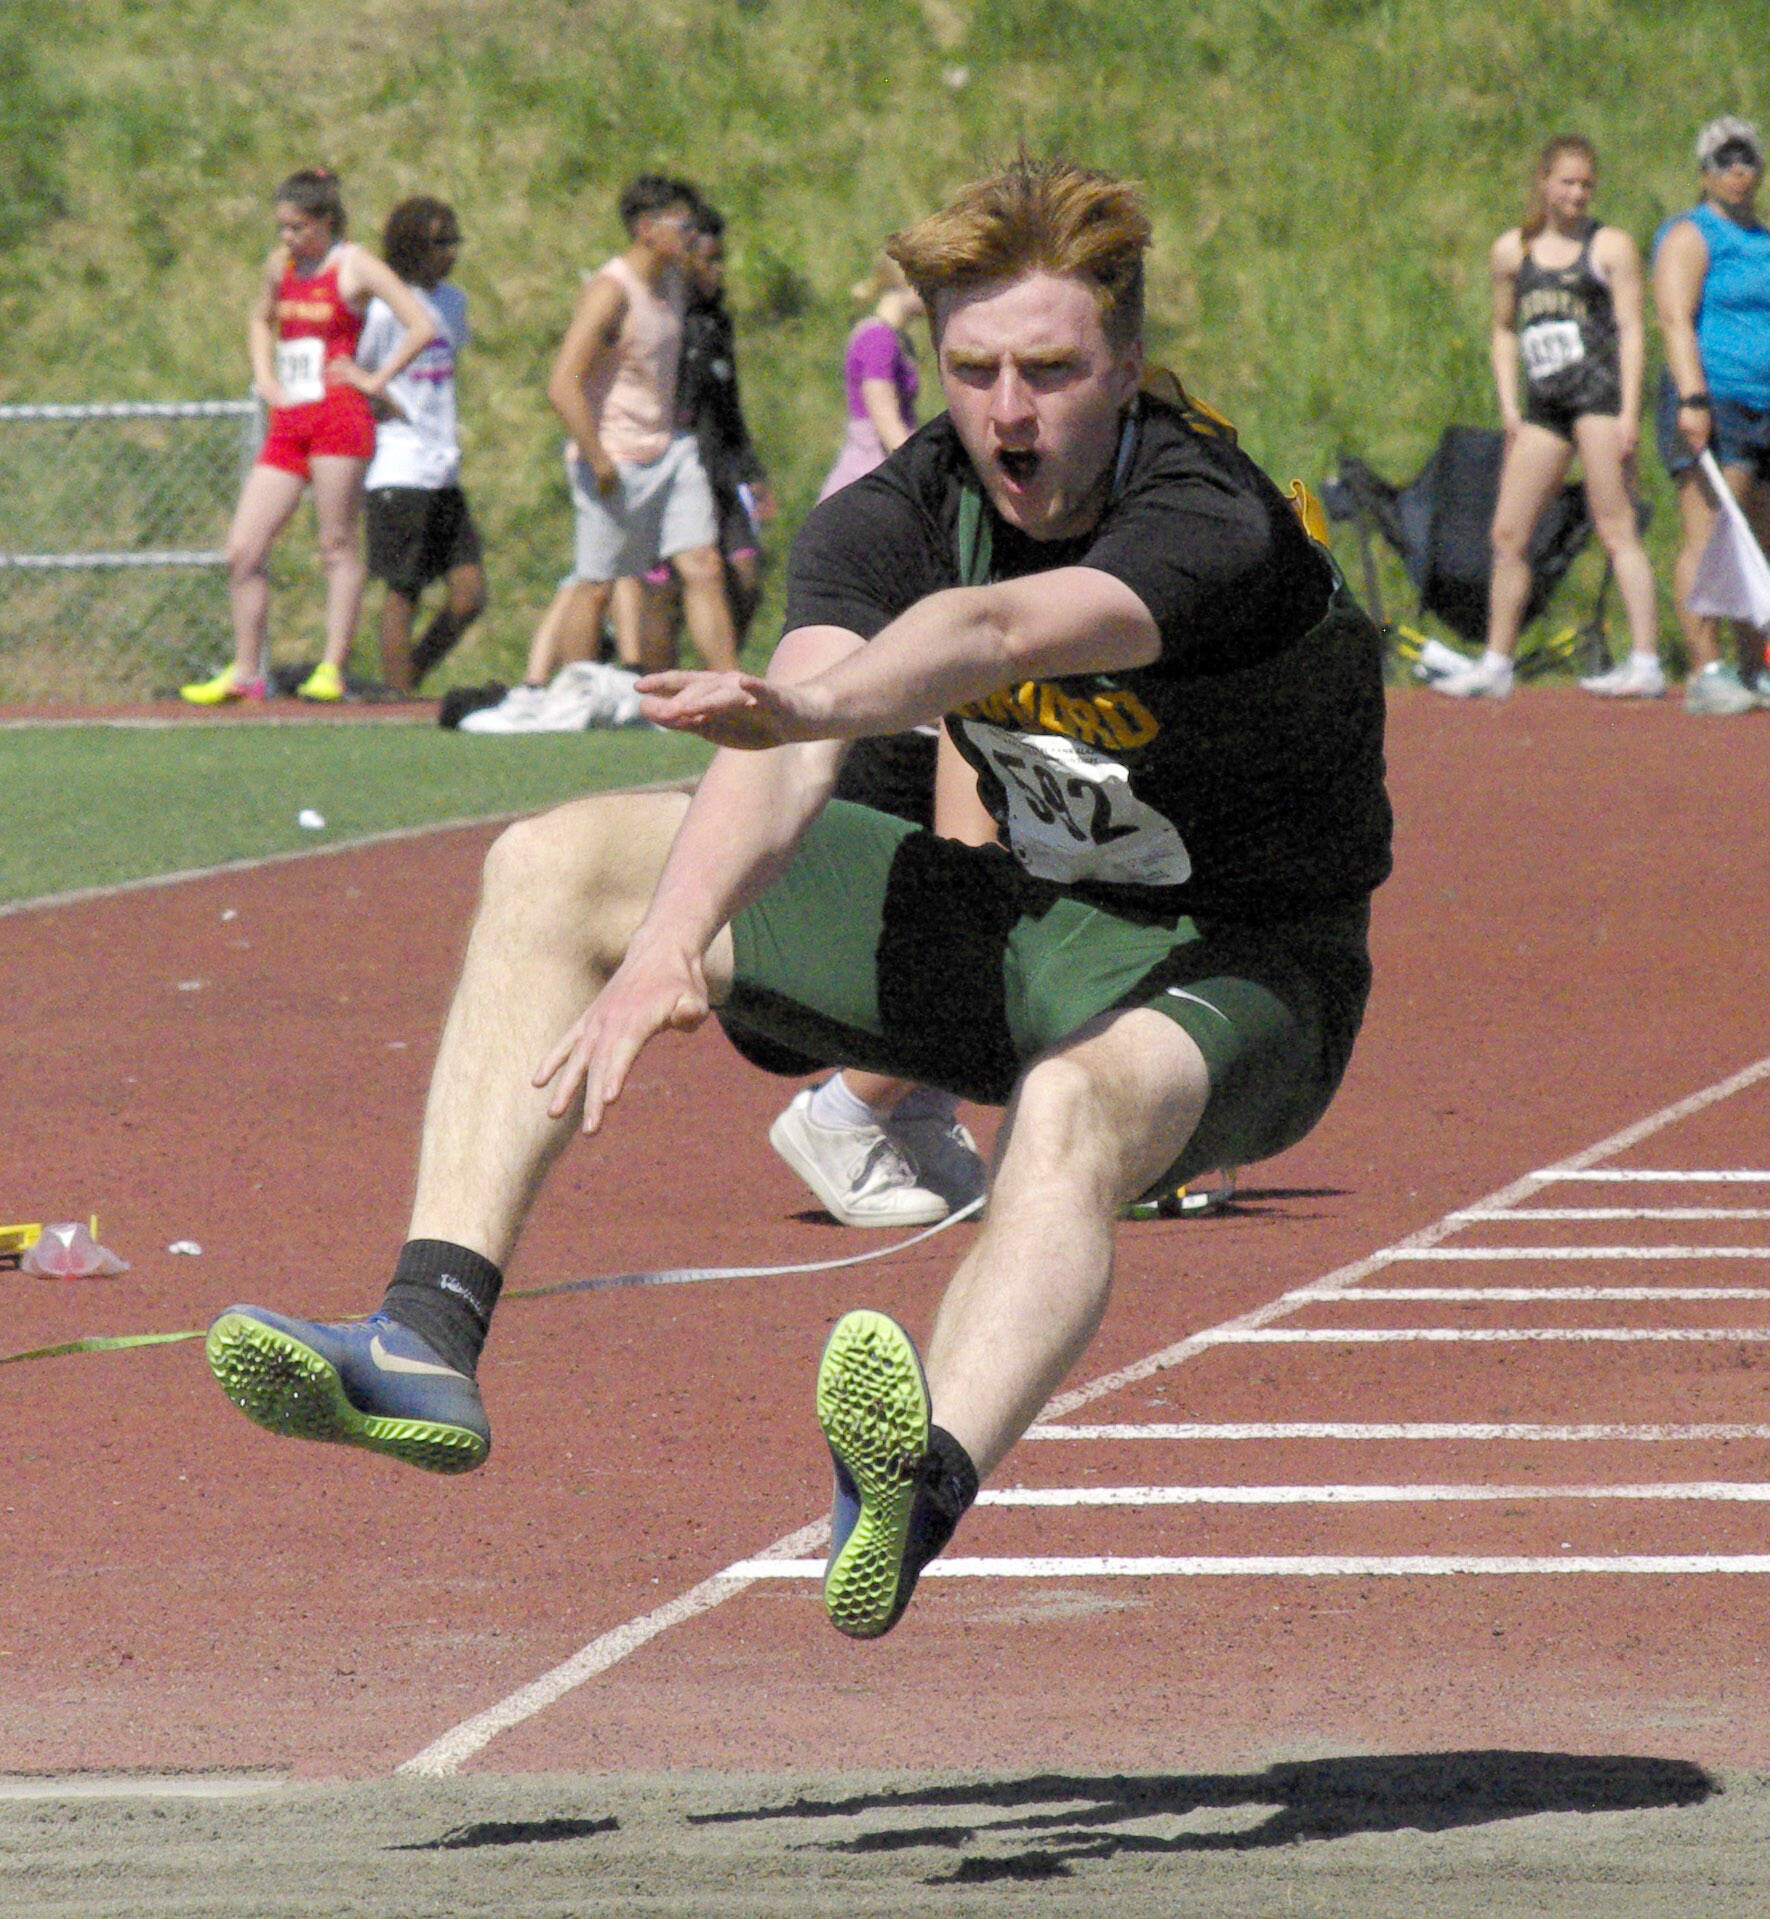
(834,1105)
(1497,666)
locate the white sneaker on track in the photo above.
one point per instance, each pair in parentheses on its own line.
(519,711)
(860,1173)
(1477,681)
(1637,678)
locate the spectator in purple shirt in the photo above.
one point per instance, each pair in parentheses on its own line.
(880,374)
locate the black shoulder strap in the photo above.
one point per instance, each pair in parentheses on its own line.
(976,542)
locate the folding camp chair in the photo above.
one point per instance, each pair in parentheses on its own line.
(1439,524)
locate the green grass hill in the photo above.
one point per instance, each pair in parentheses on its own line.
(1326,175)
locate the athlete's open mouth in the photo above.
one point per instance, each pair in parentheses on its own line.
(1019,464)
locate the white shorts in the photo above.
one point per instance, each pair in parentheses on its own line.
(657,510)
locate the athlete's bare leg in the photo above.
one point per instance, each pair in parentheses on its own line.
(627,615)
(338,506)
(1536,462)
(267,499)
(396,641)
(559,901)
(877,1090)
(1599,438)
(705,611)
(1091,1126)
(571,630)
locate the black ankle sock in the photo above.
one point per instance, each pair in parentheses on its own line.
(445,1293)
(949,1488)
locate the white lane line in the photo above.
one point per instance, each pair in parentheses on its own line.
(449,1753)
(1750,1492)
(1434,1430)
(1562,1292)
(1554,1214)
(1345,1279)
(80,895)
(1293,1566)
(1582,1252)
(1625,1174)
(1486,1335)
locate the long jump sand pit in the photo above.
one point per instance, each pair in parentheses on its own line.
(1459,1835)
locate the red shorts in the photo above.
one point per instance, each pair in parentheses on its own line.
(340,426)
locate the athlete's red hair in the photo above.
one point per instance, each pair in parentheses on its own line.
(1034,216)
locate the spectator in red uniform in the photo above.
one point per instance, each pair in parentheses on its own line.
(303,335)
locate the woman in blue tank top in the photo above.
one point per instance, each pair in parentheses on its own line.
(1711,279)
(1567,316)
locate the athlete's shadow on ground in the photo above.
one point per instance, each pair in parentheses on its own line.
(1055,1819)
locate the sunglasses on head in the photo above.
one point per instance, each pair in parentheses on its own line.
(1735,153)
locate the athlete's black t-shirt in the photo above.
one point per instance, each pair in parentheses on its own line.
(1241,773)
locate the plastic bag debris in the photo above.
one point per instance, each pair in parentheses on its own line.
(68,1251)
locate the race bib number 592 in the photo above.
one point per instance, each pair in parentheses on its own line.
(1072,815)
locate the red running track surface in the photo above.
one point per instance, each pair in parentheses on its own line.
(1571,943)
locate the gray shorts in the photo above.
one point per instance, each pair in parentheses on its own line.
(657,510)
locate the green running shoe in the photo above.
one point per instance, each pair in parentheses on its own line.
(872,1403)
(370,1382)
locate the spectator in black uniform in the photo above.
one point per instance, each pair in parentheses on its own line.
(1567,300)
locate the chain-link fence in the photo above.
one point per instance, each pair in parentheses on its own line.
(112,522)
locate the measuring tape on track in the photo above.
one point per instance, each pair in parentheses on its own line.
(614,1282)
(1180,1204)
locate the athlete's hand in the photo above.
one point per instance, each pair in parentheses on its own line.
(655,989)
(341,370)
(270,392)
(1693,425)
(730,709)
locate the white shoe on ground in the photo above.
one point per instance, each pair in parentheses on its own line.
(589,693)
(861,1175)
(1718,690)
(1638,678)
(1436,661)
(519,711)
(1478,681)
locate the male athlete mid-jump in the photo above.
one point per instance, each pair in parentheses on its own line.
(1175,714)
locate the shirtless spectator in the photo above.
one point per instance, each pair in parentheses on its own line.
(639,491)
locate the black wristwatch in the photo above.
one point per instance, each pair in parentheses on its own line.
(1697,402)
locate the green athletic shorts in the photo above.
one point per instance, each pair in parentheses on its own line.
(885,948)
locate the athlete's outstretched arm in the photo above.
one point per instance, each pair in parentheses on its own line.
(747,816)
(951,647)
